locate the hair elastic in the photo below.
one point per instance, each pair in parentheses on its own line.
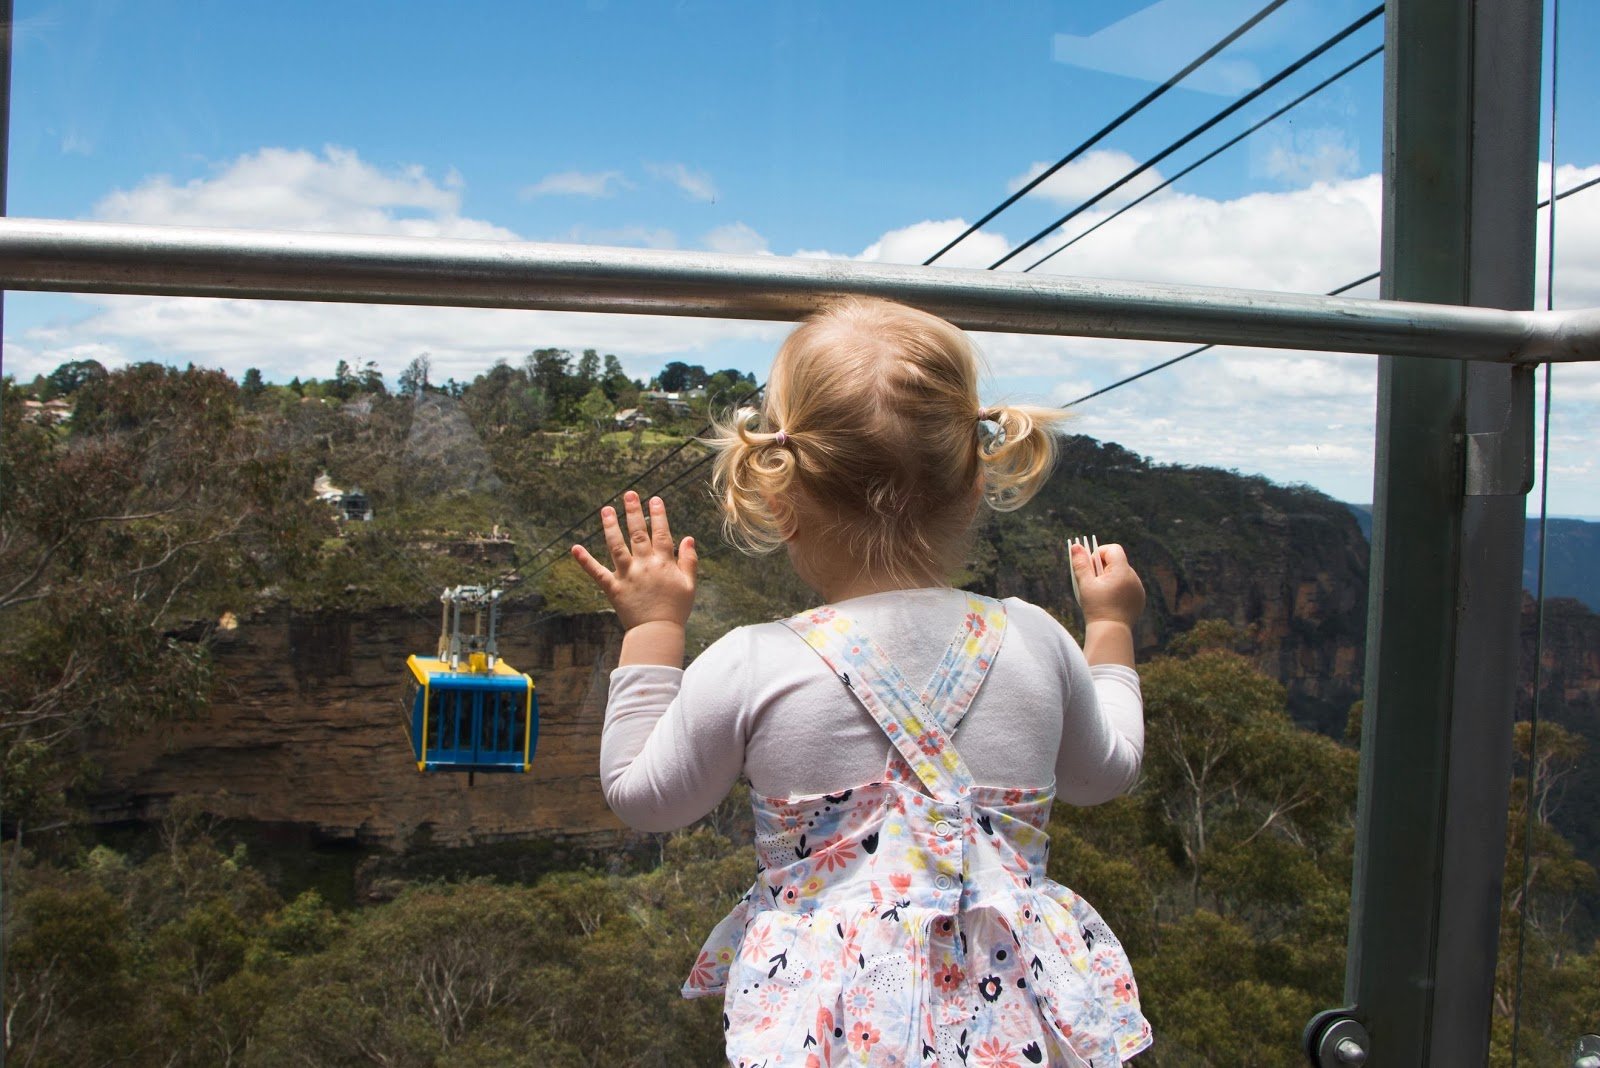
(781,438)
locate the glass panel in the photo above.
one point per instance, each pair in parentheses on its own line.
(356,460)
(1551,914)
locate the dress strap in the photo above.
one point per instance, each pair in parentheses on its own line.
(949,691)
(918,728)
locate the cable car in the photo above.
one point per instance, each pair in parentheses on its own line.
(468,710)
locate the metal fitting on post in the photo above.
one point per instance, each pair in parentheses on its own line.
(1334,1039)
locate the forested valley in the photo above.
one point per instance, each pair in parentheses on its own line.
(149,509)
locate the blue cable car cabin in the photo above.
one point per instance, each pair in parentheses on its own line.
(466,709)
(466,720)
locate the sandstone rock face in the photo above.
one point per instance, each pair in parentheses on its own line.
(307,728)
(1286,563)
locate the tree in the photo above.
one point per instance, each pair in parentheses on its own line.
(677,376)
(72,376)
(344,381)
(414,379)
(157,509)
(615,382)
(1540,905)
(66,975)
(252,385)
(550,372)
(371,379)
(596,409)
(589,368)
(1230,771)
(548,368)
(504,400)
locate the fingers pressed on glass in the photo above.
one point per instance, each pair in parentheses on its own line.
(658,524)
(613,535)
(638,531)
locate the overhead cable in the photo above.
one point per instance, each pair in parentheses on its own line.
(586,517)
(1243,101)
(1363,280)
(1214,153)
(1094,138)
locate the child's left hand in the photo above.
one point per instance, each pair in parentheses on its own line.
(649,582)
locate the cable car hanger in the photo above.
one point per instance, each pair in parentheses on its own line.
(466,708)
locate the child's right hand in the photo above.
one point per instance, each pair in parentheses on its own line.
(1115,595)
(650,579)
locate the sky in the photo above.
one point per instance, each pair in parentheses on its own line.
(872,132)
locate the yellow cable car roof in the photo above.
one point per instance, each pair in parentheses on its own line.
(424,666)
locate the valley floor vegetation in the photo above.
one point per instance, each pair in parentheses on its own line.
(156,501)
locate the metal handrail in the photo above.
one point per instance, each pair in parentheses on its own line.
(90,257)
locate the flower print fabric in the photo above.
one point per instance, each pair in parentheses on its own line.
(909,922)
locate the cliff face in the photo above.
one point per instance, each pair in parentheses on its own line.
(307,728)
(1285,563)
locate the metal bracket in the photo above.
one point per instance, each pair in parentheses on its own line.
(452,645)
(1499,464)
(1335,1039)
(1499,439)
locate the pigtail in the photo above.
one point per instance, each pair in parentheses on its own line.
(1018,455)
(749,479)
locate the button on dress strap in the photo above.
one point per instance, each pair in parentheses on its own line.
(915,729)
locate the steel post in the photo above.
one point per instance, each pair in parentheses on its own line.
(1453,466)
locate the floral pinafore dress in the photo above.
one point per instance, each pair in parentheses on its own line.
(906,926)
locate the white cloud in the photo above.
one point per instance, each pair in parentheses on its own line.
(337,191)
(1087,176)
(75,144)
(642,236)
(736,238)
(293,189)
(694,184)
(1296,156)
(593,184)
(915,243)
(1295,417)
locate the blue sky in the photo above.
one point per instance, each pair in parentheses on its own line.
(852,130)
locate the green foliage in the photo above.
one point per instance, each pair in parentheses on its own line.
(568,591)
(172,497)
(70,377)
(125,537)
(595,410)
(67,963)
(1227,872)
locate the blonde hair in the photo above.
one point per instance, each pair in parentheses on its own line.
(871,431)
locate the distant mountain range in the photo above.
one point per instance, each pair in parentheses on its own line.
(1571,567)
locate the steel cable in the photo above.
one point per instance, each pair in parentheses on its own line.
(1243,101)
(1094,138)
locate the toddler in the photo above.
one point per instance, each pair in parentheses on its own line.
(901,914)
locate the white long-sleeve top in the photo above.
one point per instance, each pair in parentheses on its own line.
(762,702)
